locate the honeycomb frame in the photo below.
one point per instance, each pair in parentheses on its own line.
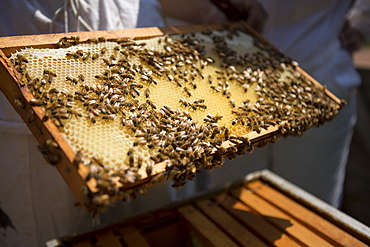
(69,161)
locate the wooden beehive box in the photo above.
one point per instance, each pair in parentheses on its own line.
(127,109)
(265,210)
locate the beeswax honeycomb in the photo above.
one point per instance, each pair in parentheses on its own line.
(125,105)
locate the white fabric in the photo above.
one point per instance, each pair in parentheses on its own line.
(32,193)
(10,121)
(150,14)
(34,17)
(359,17)
(308,32)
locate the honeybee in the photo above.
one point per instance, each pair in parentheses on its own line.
(103,50)
(194,85)
(21,59)
(203,106)
(226,134)
(86,56)
(49,72)
(95,56)
(21,68)
(57,122)
(37,102)
(199,101)
(184,102)
(72,79)
(80,52)
(30,116)
(139,161)
(78,159)
(101,77)
(135,93)
(217,89)
(151,104)
(147,93)
(19,103)
(91,117)
(187,91)
(178,82)
(109,117)
(170,77)
(232,103)
(160,177)
(107,62)
(81,78)
(245,87)
(93,40)
(131,160)
(70,55)
(149,170)
(76,113)
(53,91)
(187,114)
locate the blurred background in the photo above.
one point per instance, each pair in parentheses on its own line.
(356,200)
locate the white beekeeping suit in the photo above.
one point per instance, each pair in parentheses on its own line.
(359,17)
(33,195)
(308,32)
(33,17)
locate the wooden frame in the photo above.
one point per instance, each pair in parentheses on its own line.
(264,210)
(46,130)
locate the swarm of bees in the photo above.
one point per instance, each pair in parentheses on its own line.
(126,105)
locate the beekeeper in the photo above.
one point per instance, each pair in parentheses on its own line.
(36,204)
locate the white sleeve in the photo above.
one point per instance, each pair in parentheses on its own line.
(359,17)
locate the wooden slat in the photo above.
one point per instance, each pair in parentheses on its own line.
(279,218)
(82,243)
(14,43)
(133,237)
(229,225)
(107,239)
(316,83)
(173,234)
(323,227)
(204,228)
(266,231)
(253,214)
